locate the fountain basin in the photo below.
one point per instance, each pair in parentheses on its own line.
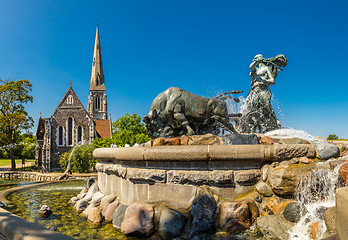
(172,175)
(14,227)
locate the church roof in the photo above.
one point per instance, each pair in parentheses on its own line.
(97,75)
(77,102)
(103,128)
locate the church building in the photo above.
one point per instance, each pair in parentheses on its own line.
(70,123)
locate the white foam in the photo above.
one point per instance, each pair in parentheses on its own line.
(290,133)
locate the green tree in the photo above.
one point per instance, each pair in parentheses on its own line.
(128,129)
(28,142)
(102,143)
(82,160)
(13,117)
(332,137)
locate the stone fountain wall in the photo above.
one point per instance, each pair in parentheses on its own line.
(172,175)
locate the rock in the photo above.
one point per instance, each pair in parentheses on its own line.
(343,172)
(109,211)
(202,212)
(267,140)
(171,223)
(81,205)
(138,220)
(314,230)
(158,142)
(82,194)
(284,180)
(184,140)
(118,216)
(95,215)
(90,182)
(326,150)
(97,197)
(45,211)
(241,139)
(294,161)
(284,163)
(264,189)
(275,206)
(319,212)
(105,202)
(73,200)
(237,216)
(172,141)
(274,227)
(305,160)
(206,139)
(293,212)
(330,219)
(247,177)
(292,141)
(149,143)
(88,209)
(91,191)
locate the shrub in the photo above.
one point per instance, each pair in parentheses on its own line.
(332,137)
(82,160)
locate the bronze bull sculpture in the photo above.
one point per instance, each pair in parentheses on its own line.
(176,112)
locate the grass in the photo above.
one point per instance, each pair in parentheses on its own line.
(7,162)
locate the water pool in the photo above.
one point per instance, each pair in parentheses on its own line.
(64,219)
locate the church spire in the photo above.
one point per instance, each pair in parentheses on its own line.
(97,75)
(97,99)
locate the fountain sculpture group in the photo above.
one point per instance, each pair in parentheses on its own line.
(189,181)
(176,112)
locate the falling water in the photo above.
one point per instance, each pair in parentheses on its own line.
(234,107)
(315,193)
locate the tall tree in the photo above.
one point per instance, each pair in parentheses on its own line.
(13,117)
(128,129)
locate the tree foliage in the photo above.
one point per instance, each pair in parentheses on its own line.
(13,117)
(24,149)
(332,137)
(128,129)
(82,160)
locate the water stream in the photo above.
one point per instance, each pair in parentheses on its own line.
(316,194)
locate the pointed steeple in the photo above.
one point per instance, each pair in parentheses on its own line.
(97,99)
(97,75)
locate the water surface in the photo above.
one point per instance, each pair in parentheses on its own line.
(64,219)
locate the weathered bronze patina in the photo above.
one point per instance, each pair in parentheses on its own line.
(175,112)
(258,114)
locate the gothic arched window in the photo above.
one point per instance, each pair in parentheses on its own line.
(60,135)
(70,100)
(79,134)
(97,102)
(70,130)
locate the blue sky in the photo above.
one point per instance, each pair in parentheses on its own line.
(204,47)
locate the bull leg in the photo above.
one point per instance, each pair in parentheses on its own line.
(225,122)
(167,131)
(180,117)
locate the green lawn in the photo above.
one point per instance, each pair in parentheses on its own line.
(7,162)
